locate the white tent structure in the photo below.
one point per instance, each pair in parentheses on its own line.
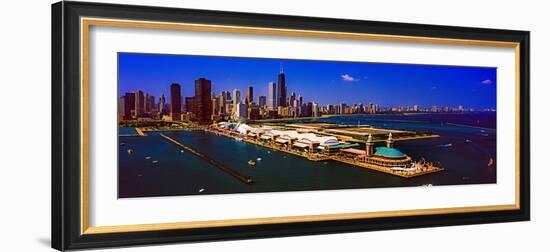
(282,136)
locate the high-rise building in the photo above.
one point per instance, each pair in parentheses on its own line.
(129,105)
(221,103)
(307,109)
(249,95)
(175,102)
(121,108)
(262,101)
(140,104)
(149,104)
(272,96)
(342,108)
(253,112)
(236,97)
(203,100)
(281,90)
(315,109)
(226,95)
(190,104)
(215,106)
(162,104)
(241,112)
(297,109)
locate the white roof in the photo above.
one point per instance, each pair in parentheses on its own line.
(281,141)
(301,145)
(306,138)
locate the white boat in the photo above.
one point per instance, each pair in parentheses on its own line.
(155,161)
(147,158)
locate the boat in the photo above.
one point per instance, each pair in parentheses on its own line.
(181,151)
(155,161)
(130,151)
(201,190)
(147,157)
(446,145)
(468,141)
(259,159)
(251,162)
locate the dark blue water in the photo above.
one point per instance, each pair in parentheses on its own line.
(178,173)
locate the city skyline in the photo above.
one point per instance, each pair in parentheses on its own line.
(322,82)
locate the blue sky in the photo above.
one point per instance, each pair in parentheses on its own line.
(324,82)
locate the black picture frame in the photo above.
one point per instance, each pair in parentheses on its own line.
(66,114)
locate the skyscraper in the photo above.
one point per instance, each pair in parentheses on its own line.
(249,95)
(272,96)
(175,102)
(129,105)
(221,103)
(262,101)
(149,104)
(121,108)
(281,90)
(315,109)
(241,112)
(162,104)
(236,96)
(189,104)
(215,106)
(140,104)
(203,100)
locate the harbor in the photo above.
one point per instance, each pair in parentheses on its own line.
(233,173)
(386,159)
(159,167)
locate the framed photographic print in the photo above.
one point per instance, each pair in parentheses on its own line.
(178,125)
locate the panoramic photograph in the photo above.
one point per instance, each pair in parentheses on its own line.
(197,125)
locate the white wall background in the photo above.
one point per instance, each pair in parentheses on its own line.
(25,93)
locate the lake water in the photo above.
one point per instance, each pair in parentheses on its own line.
(158,167)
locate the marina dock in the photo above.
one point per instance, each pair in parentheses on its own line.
(383,169)
(243,178)
(140,132)
(313,157)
